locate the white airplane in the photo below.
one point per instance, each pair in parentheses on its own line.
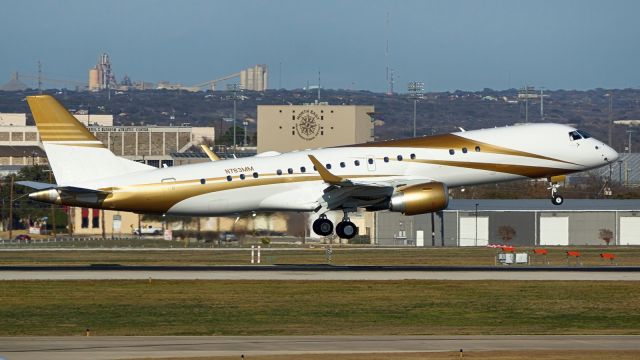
(411,176)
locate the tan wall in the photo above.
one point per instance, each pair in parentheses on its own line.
(297,127)
(13,119)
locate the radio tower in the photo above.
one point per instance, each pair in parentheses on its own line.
(389,71)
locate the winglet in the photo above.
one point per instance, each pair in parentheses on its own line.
(325,174)
(212,156)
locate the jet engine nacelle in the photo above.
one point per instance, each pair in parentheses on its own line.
(420,199)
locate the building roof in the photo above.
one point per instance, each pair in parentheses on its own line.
(543,205)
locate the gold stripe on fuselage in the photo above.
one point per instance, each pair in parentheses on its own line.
(455,142)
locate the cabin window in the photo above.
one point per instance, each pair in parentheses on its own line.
(370,161)
(464,150)
(451,151)
(241,176)
(356,163)
(229,178)
(328,166)
(342,164)
(303,169)
(386,159)
(399,157)
(203,181)
(290,170)
(412,156)
(255,175)
(279,172)
(477,148)
(314,168)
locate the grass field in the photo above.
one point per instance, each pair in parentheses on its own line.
(475,355)
(318,308)
(341,256)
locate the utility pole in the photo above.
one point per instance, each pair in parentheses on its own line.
(610,95)
(40,77)
(542,104)
(11,208)
(526,103)
(629,143)
(416,91)
(234,88)
(476,242)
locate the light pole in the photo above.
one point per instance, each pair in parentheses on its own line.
(245,124)
(416,90)
(610,96)
(476,242)
(234,88)
(629,143)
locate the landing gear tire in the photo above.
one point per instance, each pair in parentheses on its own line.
(346,230)
(557,200)
(323,227)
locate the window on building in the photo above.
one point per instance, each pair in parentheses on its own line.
(95,218)
(85,218)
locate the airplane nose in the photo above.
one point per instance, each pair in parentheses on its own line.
(610,155)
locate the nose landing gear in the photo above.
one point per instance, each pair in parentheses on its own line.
(556,199)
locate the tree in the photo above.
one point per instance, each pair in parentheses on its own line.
(506,233)
(606,235)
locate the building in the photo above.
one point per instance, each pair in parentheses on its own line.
(532,223)
(13,119)
(297,127)
(254,78)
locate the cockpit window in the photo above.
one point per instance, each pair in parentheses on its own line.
(575,135)
(584,134)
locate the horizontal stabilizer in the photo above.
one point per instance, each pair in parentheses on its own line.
(36,185)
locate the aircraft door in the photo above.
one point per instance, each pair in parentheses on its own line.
(371,163)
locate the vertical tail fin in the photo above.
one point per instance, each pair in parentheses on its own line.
(74,153)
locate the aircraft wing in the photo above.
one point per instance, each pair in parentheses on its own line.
(343,193)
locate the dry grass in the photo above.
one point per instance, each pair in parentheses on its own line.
(409,256)
(471,355)
(318,308)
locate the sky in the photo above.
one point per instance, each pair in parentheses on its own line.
(447,44)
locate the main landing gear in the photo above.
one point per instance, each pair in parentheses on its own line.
(556,199)
(345,229)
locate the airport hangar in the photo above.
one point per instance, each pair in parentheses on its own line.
(532,222)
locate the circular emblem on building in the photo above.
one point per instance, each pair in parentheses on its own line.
(307,124)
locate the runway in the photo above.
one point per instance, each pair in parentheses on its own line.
(318,273)
(71,348)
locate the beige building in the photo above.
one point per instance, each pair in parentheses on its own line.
(296,127)
(13,119)
(286,128)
